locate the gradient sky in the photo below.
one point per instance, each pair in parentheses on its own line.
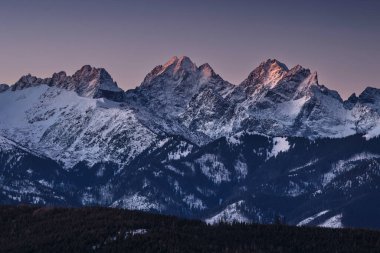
(339,39)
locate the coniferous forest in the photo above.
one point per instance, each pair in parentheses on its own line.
(94,229)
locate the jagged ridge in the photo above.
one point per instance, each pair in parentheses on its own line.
(88,82)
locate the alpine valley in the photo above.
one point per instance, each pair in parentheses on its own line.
(188,143)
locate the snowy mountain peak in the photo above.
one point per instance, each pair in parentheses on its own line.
(267,73)
(206,70)
(170,62)
(179,65)
(93,82)
(175,68)
(88,72)
(274,63)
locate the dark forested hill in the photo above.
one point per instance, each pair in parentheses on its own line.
(91,229)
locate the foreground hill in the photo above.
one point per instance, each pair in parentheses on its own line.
(44,229)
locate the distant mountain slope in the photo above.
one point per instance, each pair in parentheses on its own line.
(245,177)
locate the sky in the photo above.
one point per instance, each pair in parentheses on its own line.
(340,39)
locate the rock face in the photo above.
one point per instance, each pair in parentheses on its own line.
(189,143)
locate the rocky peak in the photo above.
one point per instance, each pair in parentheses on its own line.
(353,98)
(184,62)
(173,69)
(178,65)
(206,70)
(172,85)
(88,74)
(351,101)
(304,85)
(179,73)
(313,79)
(58,78)
(59,75)
(3,87)
(87,82)
(274,64)
(26,82)
(370,95)
(296,83)
(296,74)
(267,73)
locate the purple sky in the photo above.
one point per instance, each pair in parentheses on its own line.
(339,39)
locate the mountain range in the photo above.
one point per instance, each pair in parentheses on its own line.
(188,143)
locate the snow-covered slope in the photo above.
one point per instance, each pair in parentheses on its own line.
(69,128)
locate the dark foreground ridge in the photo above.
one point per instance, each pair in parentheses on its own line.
(93,229)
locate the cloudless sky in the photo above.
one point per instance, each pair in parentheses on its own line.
(338,38)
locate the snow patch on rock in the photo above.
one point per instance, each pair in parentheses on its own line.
(280,144)
(137,202)
(373,132)
(310,219)
(213,168)
(333,222)
(194,202)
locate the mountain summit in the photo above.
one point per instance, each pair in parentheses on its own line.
(268,73)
